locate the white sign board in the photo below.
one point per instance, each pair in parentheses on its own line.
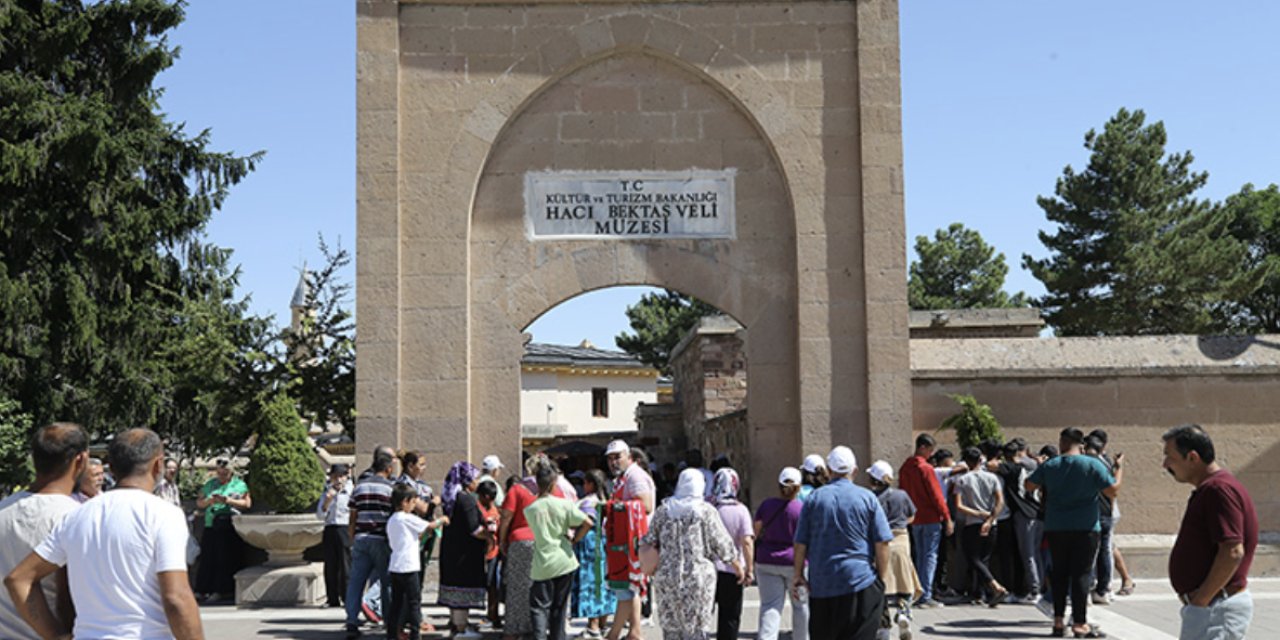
(629,205)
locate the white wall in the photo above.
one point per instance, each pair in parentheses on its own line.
(571,397)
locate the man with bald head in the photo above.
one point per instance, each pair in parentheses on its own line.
(59,453)
(125,553)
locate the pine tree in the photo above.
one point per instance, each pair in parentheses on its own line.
(958,270)
(660,321)
(1135,252)
(1255,220)
(116,312)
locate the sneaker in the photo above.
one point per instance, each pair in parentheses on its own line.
(352,631)
(929,604)
(1103,598)
(369,613)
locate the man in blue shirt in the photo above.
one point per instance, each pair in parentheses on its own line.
(843,530)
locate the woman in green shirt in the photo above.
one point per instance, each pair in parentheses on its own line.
(221,549)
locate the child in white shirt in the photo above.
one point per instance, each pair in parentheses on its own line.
(404,533)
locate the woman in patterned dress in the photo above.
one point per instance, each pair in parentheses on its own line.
(687,533)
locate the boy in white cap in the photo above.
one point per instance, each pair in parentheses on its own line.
(844,534)
(901,585)
(492,468)
(813,474)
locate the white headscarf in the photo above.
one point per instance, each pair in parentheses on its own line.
(689,492)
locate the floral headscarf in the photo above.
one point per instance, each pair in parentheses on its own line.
(461,474)
(724,489)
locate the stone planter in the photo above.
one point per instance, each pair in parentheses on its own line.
(284,537)
(286,579)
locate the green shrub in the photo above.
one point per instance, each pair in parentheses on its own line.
(974,423)
(284,473)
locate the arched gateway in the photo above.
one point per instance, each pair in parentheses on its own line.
(513,155)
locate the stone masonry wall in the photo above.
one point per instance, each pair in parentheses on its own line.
(1135,389)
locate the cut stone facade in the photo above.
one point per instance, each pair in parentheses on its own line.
(457,101)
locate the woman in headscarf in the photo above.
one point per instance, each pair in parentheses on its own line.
(462,549)
(592,597)
(736,518)
(687,533)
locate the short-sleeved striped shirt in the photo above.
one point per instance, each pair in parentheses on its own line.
(372,503)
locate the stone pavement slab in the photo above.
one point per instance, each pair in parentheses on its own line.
(1152,613)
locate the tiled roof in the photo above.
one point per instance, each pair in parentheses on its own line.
(558,354)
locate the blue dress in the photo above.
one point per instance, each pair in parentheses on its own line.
(592,596)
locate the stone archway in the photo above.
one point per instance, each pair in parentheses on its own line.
(458,101)
(595,118)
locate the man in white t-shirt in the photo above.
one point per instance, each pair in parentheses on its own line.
(59,453)
(125,553)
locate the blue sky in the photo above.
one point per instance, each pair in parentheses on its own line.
(997,96)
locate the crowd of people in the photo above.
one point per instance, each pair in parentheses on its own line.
(618,549)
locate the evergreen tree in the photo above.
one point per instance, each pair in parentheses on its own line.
(1135,252)
(116,312)
(1255,220)
(659,321)
(320,359)
(284,473)
(958,270)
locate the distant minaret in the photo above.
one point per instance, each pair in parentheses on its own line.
(299,309)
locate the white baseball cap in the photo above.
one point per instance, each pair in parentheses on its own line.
(617,446)
(789,475)
(812,463)
(881,471)
(841,460)
(491,463)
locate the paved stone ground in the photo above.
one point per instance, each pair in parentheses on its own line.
(1150,614)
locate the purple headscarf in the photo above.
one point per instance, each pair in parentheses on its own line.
(460,475)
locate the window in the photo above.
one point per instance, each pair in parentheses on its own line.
(599,402)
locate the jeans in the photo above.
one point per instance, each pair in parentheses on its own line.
(370,556)
(1073,556)
(1029,533)
(924,540)
(775,585)
(1105,564)
(549,605)
(404,608)
(1222,620)
(728,606)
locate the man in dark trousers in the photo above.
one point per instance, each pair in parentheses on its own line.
(844,534)
(1209,564)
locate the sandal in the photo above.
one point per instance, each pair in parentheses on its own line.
(1127,590)
(1090,633)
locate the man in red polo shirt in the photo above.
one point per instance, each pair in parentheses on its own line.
(917,478)
(1209,564)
